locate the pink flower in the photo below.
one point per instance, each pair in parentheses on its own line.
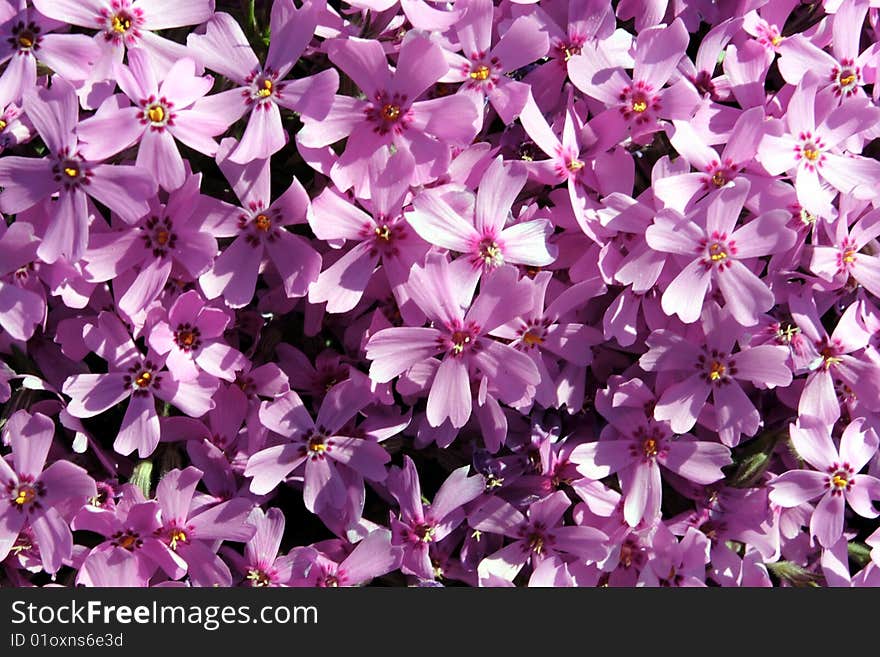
(26,39)
(836,476)
(40,499)
(161,113)
(123,24)
(392,112)
(483,240)
(22,308)
(715,251)
(381,236)
(638,103)
(835,371)
(813,145)
(845,258)
(483,68)
(171,242)
(421,525)
(635,445)
(538,536)
(373,557)
(710,366)
(319,445)
(259,226)
(261,89)
(461,337)
(131,375)
(27,181)
(191,340)
(193,524)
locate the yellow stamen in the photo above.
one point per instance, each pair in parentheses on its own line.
(162,237)
(575,165)
(316,445)
(839,480)
(187,338)
(776,40)
(383,233)
(262,222)
(177,536)
(532,339)
(639,106)
(536,543)
(71,172)
(849,256)
(26,40)
(25,495)
(459,340)
(717,370)
(144,379)
(390,112)
(480,73)
(120,23)
(128,541)
(848,80)
(811,153)
(156,113)
(719,179)
(717,252)
(258,578)
(650,447)
(3,125)
(266,90)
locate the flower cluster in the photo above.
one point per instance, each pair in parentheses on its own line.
(480,292)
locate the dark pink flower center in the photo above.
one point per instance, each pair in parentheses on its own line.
(840,478)
(460,339)
(717,251)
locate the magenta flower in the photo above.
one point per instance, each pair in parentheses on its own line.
(836,372)
(463,339)
(635,446)
(373,557)
(137,378)
(483,69)
(711,366)
(836,476)
(40,499)
(537,536)
(392,112)
(484,240)
(259,226)
(191,340)
(638,103)
(161,113)
(26,40)
(380,236)
(715,251)
(192,524)
(27,181)
(171,242)
(319,445)
(123,24)
(812,148)
(262,89)
(421,525)
(21,309)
